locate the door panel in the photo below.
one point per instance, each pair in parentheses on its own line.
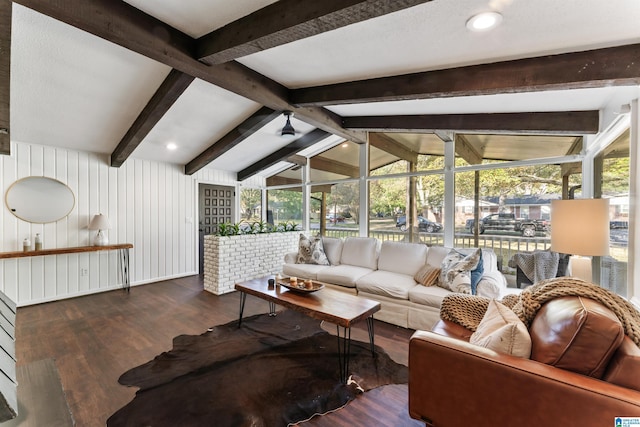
(217,206)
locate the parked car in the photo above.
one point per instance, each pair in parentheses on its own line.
(509,223)
(423,224)
(334,218)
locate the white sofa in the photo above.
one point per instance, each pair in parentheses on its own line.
(384,272)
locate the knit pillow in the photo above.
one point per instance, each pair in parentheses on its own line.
(311,251)
(502,331)
(457,270)
(427,275)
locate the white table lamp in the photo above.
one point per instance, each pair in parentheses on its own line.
(100,222)
(580,227)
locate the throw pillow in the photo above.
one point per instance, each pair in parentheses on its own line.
(427,275)
(311,251)
(476,274)
(456,270)
(501,330)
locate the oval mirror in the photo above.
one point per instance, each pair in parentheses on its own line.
(39,199)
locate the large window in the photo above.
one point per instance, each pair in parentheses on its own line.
(250,204)
(615,187)
(284,206)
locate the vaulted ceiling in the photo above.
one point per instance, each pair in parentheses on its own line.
(213,76)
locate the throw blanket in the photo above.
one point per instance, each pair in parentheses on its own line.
(537,266)
(468,310)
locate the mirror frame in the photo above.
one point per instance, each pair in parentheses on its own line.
(39,200)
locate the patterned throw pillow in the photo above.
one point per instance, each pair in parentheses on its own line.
(456,270)
(427,275)
(311,251)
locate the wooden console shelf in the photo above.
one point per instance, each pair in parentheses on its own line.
(61,251)
(122,248)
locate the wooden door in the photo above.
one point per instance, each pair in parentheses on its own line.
(217,205)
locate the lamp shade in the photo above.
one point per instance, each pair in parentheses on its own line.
(580,226)
(99,222)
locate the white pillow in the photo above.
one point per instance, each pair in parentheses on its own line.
(502,331)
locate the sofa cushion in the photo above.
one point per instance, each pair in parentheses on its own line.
(404,258)
(360,252)
(344,275)
(501,330)
(311,251)
(428,275)
(624,366)
(436,255)
(577,334)
(386,283)
(333,249)
(305,271)
(457,268)
(431,296)
(491,285)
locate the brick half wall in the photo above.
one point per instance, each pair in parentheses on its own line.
(232,259)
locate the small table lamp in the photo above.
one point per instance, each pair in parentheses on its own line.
(100,222)
(580,227)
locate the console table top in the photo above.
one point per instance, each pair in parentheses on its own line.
(60,251)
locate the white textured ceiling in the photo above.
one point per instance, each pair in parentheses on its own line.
(71,89)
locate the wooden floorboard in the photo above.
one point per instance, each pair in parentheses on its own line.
(94,339)
(41,400)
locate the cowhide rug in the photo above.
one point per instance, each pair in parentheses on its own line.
(273,371)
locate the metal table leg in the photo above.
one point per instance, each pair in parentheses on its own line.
(243,298)
(344,352)
(123,264)
(272,309)
(371,335)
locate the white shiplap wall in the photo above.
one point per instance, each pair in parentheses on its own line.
(149,204)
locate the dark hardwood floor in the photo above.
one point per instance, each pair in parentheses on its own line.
(96,338)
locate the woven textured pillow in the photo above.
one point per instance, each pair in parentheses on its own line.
(501,330)
(456,270)
(427,275)
(311,251)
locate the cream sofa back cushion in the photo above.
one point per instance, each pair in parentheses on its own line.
(404,258)
(361,252)
(333,249)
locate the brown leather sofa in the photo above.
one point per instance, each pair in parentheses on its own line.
(583,372)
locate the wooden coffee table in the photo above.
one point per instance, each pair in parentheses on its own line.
(339,308)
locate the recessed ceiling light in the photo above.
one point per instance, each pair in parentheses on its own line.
(171,146)
(344,145)
(484,21)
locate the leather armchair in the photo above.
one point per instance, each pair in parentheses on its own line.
(454,383)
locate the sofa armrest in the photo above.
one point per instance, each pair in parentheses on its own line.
(290,258)
(454,383)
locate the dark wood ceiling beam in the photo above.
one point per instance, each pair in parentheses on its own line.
(282,154)
(389,145)
(273,181)
(126,26)
(241,132)
(557,123)
(281,180)
(615,66)
(167,94)
(297,159)
(328,165)
(286,21)
(467,151)
(5,75)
